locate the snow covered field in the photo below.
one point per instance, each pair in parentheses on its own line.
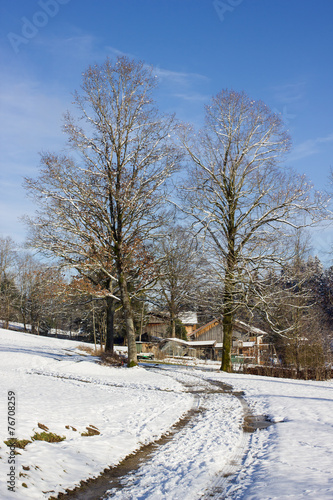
(61,387)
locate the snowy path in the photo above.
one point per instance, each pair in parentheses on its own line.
(192,461)
(290,460)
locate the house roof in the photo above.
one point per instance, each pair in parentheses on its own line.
(188,317)
(239,325)
(202,343)
(205,328)
(249,328)
(195,343)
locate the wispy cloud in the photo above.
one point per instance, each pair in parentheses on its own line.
(179,84)
(310,147)
(178,77)
(30,121)
(182,78)
(290,92)
(79,46)
(193,96)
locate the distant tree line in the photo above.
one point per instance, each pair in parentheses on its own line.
(298,317)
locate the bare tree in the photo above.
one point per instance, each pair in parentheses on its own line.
(178,260)
(238,197)
(8,291)
(26,269)
(292,309)
(98,207)
(40,293)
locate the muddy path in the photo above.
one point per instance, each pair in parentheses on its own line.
(113,477)
(121,478)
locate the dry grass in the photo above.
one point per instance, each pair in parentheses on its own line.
(70,427)
(106,358)
(112,359)
(42,426)
(91,431)
(17,443)
(50,437)
(91,350)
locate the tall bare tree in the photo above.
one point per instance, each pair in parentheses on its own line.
(239,198)
(292,308)
(8,291)
(177,254)
(98,206)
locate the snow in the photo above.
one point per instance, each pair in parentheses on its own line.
(188,318)
(292,459)
(191,343)
(185,466)
(58,385)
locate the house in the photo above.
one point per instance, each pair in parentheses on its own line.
(211,331)
(189,320)
(174,347)
(206,342)
(254,350)
(157,325)
(247,344)
(159,322)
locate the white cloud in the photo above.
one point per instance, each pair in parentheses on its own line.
(290,92)
(193,96)
(310,147)
(30,121)
(178,77)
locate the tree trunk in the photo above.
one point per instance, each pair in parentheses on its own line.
(228,295)
(7,315)
(228,309)
(227,341)
(94,328)
(173,324)
(141,324)
(110,305)
(128,316)
(24,321)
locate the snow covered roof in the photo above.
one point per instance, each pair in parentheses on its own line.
(202,343)
(239,330)
(188,318)
(175,339)
(251,329)
(195,343)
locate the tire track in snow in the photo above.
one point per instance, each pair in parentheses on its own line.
(230,480)
(95,488)
(186,466)
(199,458)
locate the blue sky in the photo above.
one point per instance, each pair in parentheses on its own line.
(279,51)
